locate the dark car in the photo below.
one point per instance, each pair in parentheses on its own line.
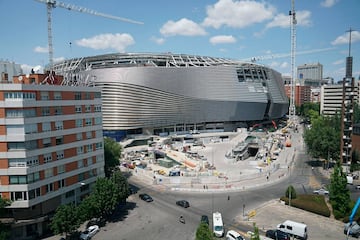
(204,219)
(183,203)
(145,197)
(277,235)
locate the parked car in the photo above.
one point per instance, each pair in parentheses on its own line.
(89,232)
(204,219)
(183,203)
(145,197)
(321,191)
(233,235)
(277,234)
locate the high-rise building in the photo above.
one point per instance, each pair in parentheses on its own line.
(51,148)
(302,94)
(310,74)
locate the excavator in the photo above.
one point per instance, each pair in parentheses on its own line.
(352,228)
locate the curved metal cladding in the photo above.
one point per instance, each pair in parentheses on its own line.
(149,96)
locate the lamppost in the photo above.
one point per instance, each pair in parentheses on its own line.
(75,190)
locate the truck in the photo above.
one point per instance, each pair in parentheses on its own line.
(298,230)
(352,228)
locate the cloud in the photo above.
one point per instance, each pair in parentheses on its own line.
(222,39)
(39,49)
(328,3)
(237,14)
(338,62)
(118,41)
(183,27)
(344,39)
(303,18)
(27,68)
(158,41)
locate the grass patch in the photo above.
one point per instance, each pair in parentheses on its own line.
(310,202)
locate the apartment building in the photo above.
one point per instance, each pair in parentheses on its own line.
(332,98)
(302,94)
(51,148)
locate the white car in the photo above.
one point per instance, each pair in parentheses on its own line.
(321,191)
(233,235)
(89,232)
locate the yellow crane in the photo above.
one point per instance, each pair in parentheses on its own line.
(50,4)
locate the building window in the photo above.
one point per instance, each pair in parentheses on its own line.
(80,150)
(18,196)
(87,96)
(18,179)
(17,162)
(29,145)
(88,121)
(33,177)
(45,111)
(46,126)
(19,96)
(34,193)
(89,148)
(46,142)
(78,96)
(57,96)
(59,125)
(49,187)
(97,108)
(99,145)
(80,163)
(98,120)
(88,108)
(59,155)
(47,157)
(89,161)
(31,128)
(17,113)
(79,123)
(58,110)
(59,140)
(78,109)
(48,172)
(78,136)
(88,135)
(44,96)
(61,169)
(61,183)
(97,95)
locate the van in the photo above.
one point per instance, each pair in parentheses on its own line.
(349,180)
(298,230)
(218,228)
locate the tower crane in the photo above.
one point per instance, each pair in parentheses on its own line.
(50,4)
(293,54)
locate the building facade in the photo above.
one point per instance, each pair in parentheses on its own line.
(165,93)
(51,148)
(8,70)
(332,98)
(302,94)
(311,75)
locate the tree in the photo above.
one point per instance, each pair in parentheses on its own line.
(112,152)
(290,192)
(256,235)
(103,199)
(203,232)
(339,193)
(122,186)
(4,228)
(66,220)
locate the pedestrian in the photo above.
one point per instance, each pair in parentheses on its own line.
(228,197)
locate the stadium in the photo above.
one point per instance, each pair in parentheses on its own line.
(148,93)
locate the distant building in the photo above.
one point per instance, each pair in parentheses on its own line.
(302,94)
(332,98)
(51,148)
(311,75)
(8,70)
(356,138)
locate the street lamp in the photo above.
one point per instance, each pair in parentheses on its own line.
(75,190)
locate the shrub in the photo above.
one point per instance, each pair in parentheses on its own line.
(290,191)
(312,203)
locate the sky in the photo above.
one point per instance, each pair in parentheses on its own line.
(233,29)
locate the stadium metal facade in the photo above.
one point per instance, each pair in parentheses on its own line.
(161,93)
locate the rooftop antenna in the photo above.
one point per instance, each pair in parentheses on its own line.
(50,4)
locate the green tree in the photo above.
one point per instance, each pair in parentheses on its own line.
(339,193)
(66,220)
(112,152)
(121,184)
(323,138)
(4,228)
(203,232)
(103,199)
(309,110)
(256,235)
(290,192)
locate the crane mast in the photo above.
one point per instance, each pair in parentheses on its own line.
(50,4)
(293,53)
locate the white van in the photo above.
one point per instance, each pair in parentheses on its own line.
(299,230)
(218,225)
